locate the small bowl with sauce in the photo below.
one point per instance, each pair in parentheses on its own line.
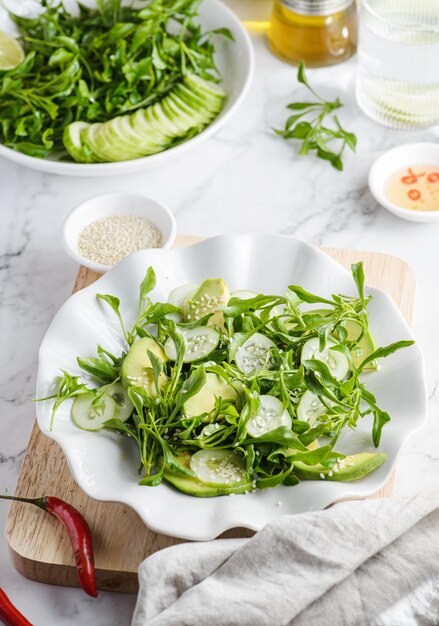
(101,231)
(405,181)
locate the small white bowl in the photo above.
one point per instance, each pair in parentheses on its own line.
(117,203)
(395,159)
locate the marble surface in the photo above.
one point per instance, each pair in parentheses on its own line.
(243,179)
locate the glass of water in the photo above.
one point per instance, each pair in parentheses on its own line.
(398,62)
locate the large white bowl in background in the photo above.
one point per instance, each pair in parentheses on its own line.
(235,61)
(116,203)
(105,464)
(406,155)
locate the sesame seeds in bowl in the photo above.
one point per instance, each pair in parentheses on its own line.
(103,230)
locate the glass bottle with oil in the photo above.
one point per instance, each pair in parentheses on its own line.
(319,32)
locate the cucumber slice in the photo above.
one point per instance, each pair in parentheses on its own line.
(212,104)
(271,415)
(168,110)
(310,408)
(200,342)
(218,468)
(88,139)
(204,401)
(337,363)
(195,102)
(97,142)
(182,121)
(88,417)
(243,294)
(124,406)
(132,138)
(254,353)
(72,140)
(119,140)
(147,131)
(177,317)
(194,116)
(136,370)
(205,88)
(194,487)
(155,116)
(180,296)
(91,153)
(197,115)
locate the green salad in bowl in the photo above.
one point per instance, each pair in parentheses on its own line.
(106,82)
(228,393)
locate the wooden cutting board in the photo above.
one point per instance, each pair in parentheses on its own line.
(40,548)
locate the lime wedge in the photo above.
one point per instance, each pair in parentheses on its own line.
(11,53)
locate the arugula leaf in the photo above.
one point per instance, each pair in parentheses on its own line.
(99,368)
(358,274)
(68,387)
(328,143)
(190,387)
(380,353)
(380,418)
(306,296)
(283,436)
(146,286)
(114,303)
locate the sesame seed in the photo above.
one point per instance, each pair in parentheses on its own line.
(322,476)
(110,239)
(330,473)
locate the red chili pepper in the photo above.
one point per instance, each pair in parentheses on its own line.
(9,614)
(413,178)
(433,177)
(79,532)
(414,194)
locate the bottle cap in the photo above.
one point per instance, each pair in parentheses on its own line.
(317,7)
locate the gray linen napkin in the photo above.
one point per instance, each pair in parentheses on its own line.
(370,562)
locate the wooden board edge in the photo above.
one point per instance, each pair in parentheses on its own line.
(65,575)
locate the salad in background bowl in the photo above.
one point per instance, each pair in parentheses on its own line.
(119,87)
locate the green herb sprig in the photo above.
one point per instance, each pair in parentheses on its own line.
(307,125)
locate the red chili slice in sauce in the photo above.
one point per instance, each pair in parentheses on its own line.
(410,171)
(412,178)
(414,194)
(433,177)
(409,180)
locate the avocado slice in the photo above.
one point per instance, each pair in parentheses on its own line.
(194,487)
(204,400)
(354,467)
(365,346)
(136,370)
(210,296)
